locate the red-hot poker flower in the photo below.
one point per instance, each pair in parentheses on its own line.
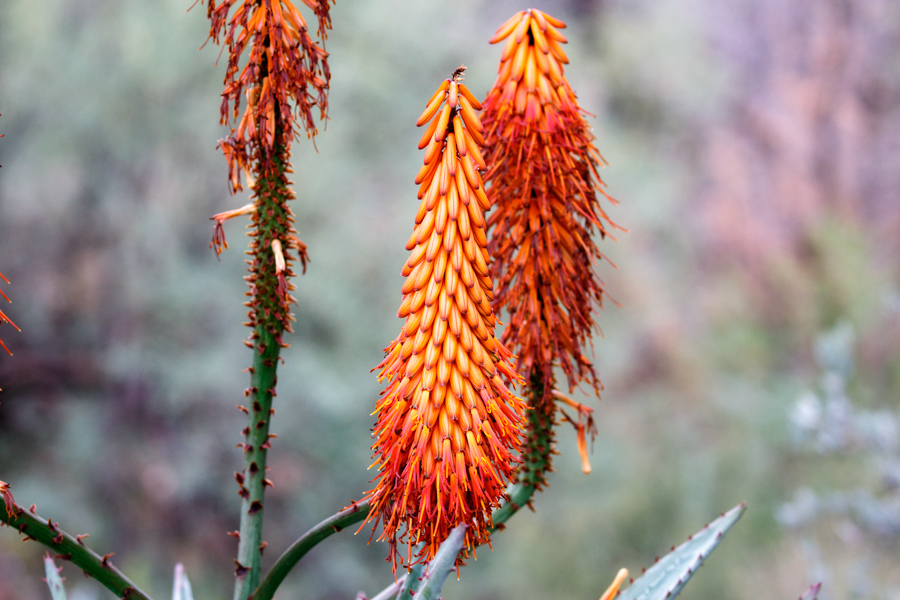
(543,182)
(448,427)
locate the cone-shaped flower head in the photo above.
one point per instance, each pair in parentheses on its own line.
(543,181)
(448,427)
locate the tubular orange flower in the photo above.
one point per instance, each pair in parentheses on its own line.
(448,427)
(543,180)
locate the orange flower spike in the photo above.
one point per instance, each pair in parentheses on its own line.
(544,185)
(447,426)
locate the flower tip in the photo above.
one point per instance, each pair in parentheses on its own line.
(614,588)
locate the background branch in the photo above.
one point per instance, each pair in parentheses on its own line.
(73,549)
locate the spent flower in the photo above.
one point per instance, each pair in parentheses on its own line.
(544,183)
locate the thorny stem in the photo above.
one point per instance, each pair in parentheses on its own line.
(537,452)
(535,455)
(519,495)
(267,314)
(287,561)
(253,478)
(74,550)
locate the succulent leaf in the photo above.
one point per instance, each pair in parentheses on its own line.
(181,589)
(53,579)
(441,565)
(412,582)
(669,574)
(813,592)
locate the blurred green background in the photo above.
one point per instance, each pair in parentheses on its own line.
(755,148)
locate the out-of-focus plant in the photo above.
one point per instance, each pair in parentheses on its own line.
(826,423)
(449,425)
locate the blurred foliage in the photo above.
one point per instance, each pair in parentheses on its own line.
(753,146)
(851,490)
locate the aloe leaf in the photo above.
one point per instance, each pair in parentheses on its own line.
(411,583)
(441,565)
(54,581)
(181,589)
(812,593)
(669,574)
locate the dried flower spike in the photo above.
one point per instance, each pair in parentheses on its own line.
(448,427)
(543,180)
(284,67)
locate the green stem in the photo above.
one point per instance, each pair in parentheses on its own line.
(69,548)
(253,479)
(519,495)
(287,561)
(536,456)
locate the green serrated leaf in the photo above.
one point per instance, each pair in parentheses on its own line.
(812,593)
(54,581)
(441,565)
(181,589)
(669,574)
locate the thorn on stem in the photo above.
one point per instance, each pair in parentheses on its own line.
(240,570)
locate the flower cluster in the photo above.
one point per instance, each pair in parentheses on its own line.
(543,180)
(448,426)
(284,79)
(284,66)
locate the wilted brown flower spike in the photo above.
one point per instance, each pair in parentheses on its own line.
(284,77)
(448,427)
(283,65)
(543,180)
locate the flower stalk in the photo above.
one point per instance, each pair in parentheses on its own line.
(284,78)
